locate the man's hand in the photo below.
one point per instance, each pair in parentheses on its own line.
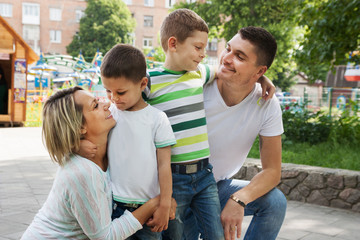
(231,219)
(159,221)
(87,149)
(268,88)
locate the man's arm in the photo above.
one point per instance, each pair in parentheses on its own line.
(261,183)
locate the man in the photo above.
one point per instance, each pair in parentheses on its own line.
(236,115)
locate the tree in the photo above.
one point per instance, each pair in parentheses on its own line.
(225,18)
(106,23)
(332,31)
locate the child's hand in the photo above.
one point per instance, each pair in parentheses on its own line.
(159,221)
(172,209)
(268,88)
(87,149)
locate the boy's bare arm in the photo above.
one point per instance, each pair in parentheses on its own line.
(268,88)
(161,216)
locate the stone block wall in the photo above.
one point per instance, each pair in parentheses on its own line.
(323,186)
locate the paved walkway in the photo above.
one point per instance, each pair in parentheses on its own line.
(26,175)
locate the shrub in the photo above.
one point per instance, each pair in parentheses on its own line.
(303,125)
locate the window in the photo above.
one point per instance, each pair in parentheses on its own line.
(147,42)
(31,13)
(79,14)
(6,9)
(55,36)
(127,2)
(212,61)
(31,32)
(132,38)
(213,45)
(55,14)
(190,1)
(149,3)
(169,3)
(148,21)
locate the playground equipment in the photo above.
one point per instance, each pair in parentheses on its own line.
(352,72)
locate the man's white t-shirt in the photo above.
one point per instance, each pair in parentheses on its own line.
(132,152)
(232,130)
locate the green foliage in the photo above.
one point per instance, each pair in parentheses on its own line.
(316,139)
(312,35)
(332,30)
(225,18)
(346,128)
(303,125)
(106,23)
(159,55)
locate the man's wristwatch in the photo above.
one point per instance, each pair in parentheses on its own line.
(238,201)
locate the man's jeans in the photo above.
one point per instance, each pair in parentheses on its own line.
(197,191)
(268,212)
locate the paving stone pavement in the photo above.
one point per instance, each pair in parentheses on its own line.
(27,173)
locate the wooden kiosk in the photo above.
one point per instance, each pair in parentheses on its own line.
(15,55)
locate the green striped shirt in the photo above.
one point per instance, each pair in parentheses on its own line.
(180,96)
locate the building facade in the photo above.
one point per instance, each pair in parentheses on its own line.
(49,25)
(46,25)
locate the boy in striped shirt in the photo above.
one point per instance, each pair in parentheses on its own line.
(177,89)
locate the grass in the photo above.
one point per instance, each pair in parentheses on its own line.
(322,155)
(33,115)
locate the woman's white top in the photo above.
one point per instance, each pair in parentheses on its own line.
(79,206)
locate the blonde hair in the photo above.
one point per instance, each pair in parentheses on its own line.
(62,122)
(181,24)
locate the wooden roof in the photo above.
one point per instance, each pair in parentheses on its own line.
(8,37)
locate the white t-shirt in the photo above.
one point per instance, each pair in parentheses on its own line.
(232,130)
(132,152)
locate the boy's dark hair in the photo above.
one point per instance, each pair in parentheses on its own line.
(264,42)
(124,60)
(181,24)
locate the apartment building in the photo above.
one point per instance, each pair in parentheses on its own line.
(49,25)
(46,25)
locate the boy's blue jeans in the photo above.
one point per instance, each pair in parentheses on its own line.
(142,234)
(268,212)
(198,192)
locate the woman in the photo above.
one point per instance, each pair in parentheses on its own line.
(80,202)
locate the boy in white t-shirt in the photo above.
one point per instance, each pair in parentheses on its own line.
(139,146)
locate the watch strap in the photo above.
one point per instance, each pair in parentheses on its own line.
(238,201)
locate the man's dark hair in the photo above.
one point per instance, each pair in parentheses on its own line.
(124,60)
(264,42)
